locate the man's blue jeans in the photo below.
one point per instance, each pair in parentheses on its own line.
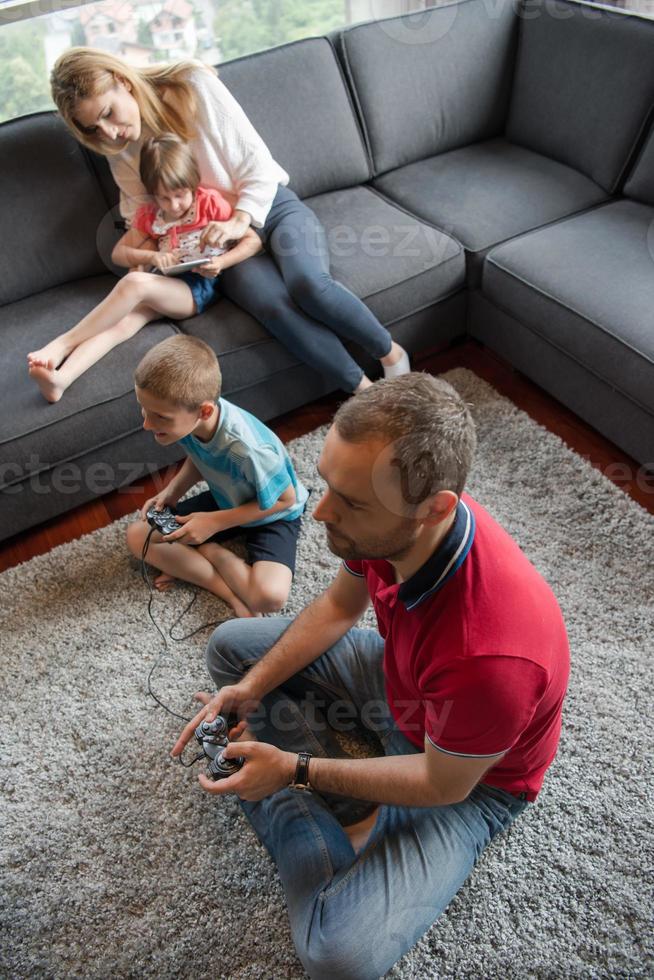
(352,915)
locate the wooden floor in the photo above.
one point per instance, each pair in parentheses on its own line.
(606,457)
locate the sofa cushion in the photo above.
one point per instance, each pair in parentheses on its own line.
(583,86)
(432,81)
(384,255)
(640,184)
(488,192)
(586,285)
(296,97)
(98,408)
(53,201)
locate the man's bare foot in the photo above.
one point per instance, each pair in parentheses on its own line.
(163,582)
(50,387)
(359,833)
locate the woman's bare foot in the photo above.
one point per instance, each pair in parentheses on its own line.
(359,833)
(163,582)
(49,385)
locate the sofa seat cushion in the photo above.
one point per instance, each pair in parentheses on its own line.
(586,285)
(99,408)
(488,192)
(387,257)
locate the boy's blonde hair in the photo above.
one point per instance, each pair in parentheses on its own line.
(168,160)
(83,73)
(182,370)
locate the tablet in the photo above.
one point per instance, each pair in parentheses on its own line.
(176,270)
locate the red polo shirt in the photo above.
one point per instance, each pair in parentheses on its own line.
(476,653)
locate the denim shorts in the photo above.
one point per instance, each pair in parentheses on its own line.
(275,541)
(205,291)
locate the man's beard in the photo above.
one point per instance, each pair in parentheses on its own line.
(392,548)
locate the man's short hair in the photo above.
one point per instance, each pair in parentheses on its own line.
(429,424)
(182,370)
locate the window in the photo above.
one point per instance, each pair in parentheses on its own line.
(141,32)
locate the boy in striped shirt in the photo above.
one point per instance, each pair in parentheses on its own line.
(253,488)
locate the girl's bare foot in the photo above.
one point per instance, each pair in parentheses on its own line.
(50,356)
(49,385)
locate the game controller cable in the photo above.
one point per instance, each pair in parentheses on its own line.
(212,736)
(177,639)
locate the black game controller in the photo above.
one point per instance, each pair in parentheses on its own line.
(163,520)
(212,736)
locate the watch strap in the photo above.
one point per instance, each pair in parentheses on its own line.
(302,770)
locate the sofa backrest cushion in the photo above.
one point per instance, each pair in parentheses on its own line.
(297,99)
(432,81)
(583,86)
(52,208)
(640,185)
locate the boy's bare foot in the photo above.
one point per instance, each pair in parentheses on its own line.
(241,610)
(50,387)
(163,582)
(359,833)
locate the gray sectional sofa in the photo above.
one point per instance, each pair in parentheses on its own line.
(486,169)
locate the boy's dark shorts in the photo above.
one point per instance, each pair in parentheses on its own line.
(276,541)
(205,290)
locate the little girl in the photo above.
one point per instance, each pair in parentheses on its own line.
(162,235)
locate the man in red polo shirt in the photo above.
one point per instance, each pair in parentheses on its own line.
(462,682)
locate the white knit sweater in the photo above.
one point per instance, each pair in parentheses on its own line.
(231,155)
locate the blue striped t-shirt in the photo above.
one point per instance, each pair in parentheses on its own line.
(244,461)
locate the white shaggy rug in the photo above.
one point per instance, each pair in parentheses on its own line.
(115,864)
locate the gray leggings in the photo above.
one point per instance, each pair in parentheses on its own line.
(290,291)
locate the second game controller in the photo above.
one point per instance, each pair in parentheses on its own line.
(213,737)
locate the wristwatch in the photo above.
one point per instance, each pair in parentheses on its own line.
(301,780)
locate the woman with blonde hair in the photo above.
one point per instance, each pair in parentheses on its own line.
(112,107)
